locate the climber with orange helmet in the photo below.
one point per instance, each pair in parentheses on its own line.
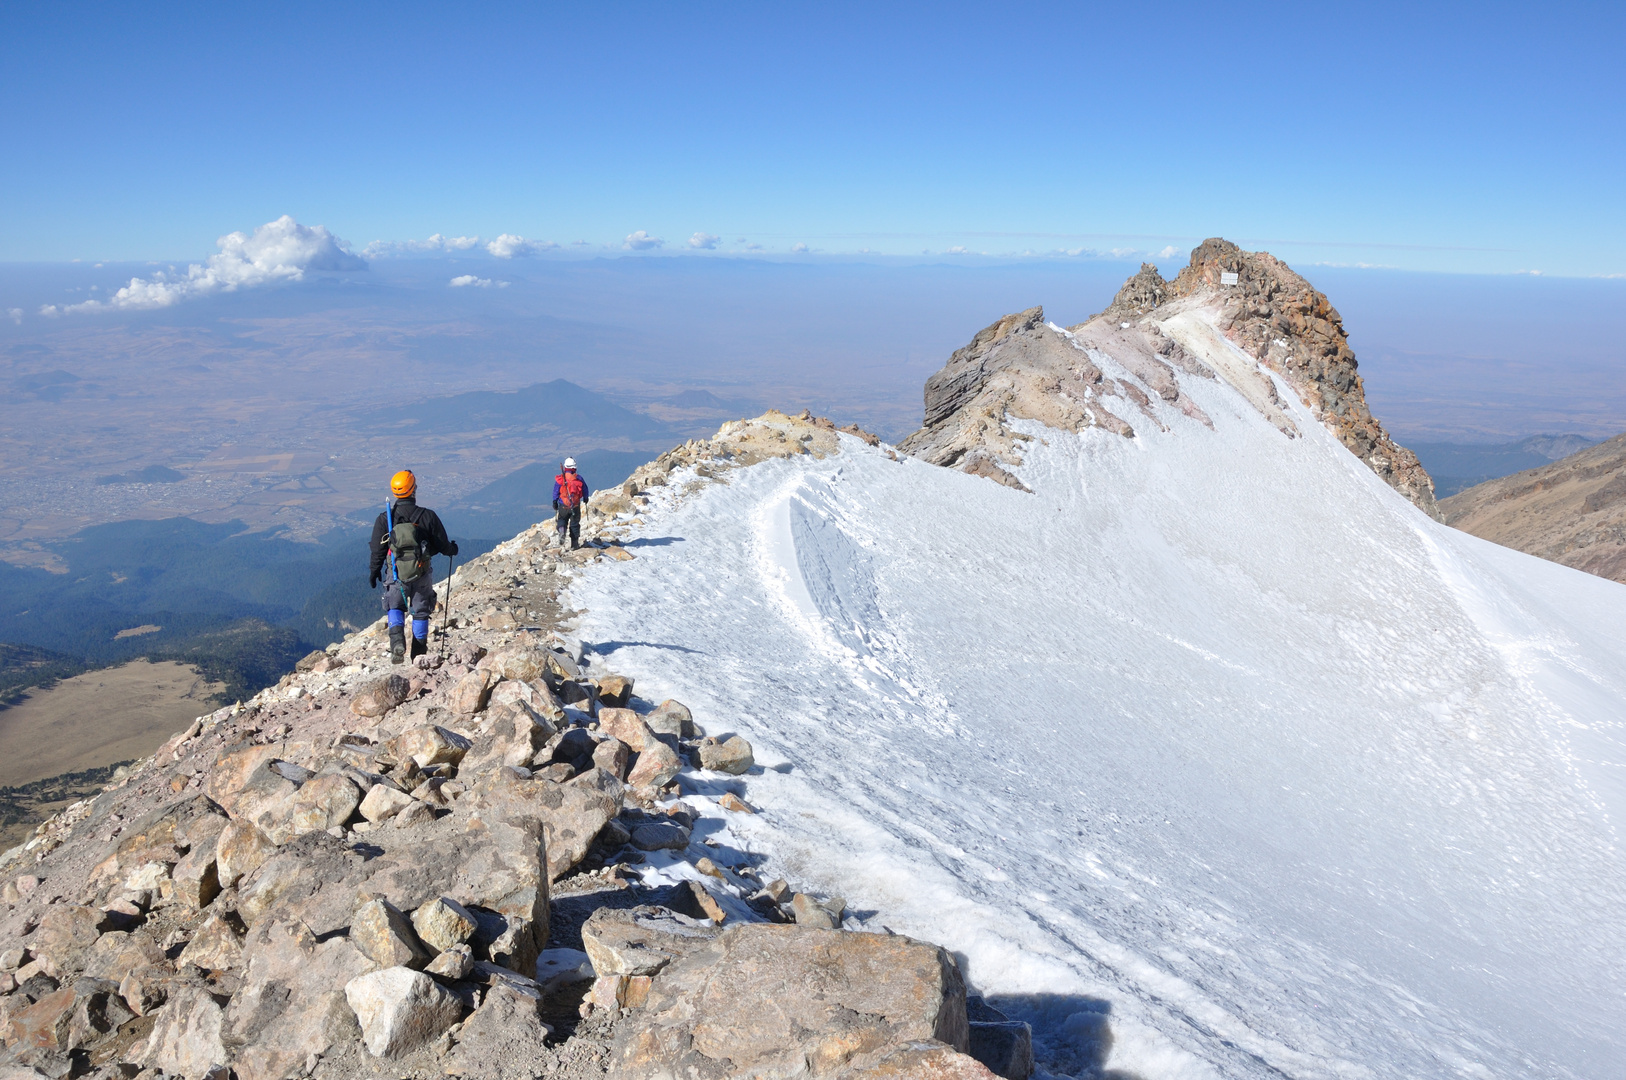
(406,537)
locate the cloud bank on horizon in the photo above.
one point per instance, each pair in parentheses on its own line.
(280,250)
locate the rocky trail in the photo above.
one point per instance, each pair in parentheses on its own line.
(496,861)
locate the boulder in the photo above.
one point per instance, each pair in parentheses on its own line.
(217,945)
(671,718)
(454,964)
(626,725)
(921,1060)
(381,695)
(185,1039)
(240,850)
(196,878)
(612,756)
(809,912)
(732,802)
(292,1002)
(231,771)
(657,764)
(614,690)
(42,1025)
(659,836)
(145,989)
(513,735)
(534,695)
(65,935)
(1004,1046)
(470,693)
(519,663)
(428,745)
(693,899)
(562,665)
(384,935)
(384,802)
(117,954)
(763,999)
(733,755)
(505,1037)
(416,814)
(400,1009)
(641,940)
(97,1010)
(320,804)
(443,923)
(574,747)
(571,814)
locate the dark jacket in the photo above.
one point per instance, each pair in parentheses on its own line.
(431,533)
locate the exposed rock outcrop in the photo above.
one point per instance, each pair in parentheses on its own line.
(1572,511)
(1108,371)
(301,887)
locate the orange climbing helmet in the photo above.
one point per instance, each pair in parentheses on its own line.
(403,485)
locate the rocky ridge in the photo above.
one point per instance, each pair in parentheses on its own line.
(498,861)
(1571,512)
(1113,370)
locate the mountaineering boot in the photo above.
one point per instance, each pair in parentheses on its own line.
(397,644)
(419,647)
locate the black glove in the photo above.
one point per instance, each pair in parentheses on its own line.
(372,582)
(453,549)
(556,504)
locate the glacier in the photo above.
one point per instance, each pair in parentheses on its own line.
(1211,757)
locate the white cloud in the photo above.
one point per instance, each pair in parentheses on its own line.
(437,242)
(800,249)
(509,246)
(641,241)
(281,250)
(956,250)
(580,243)
(1119,253)
(464,280)
(16,314)
(1169,252)
(704,240)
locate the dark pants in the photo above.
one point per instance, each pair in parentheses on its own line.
(418,595)
(571,520)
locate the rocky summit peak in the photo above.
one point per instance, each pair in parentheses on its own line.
(1241,316)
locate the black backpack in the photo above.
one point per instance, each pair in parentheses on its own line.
(408,549)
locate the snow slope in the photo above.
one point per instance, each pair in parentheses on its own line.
(1213,757)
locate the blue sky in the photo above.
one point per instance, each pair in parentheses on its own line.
(1467,138)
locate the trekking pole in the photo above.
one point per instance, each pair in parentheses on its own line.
(446,620)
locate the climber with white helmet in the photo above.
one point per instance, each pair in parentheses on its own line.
(569,493)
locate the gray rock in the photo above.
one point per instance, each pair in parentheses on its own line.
(384,935)
(732,756)
(810,913)
(640,941)
(443,923)
(400,1009)
(1006,1047)
(505,1037)
(660,835)
(671,718)
(745,1005)
(185,1039)
(453,964)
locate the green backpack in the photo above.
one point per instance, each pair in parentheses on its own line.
(409,560)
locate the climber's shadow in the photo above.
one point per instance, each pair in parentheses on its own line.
(653,541)
(1072,1033)
(605,648)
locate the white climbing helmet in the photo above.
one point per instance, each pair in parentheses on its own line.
(570,463)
